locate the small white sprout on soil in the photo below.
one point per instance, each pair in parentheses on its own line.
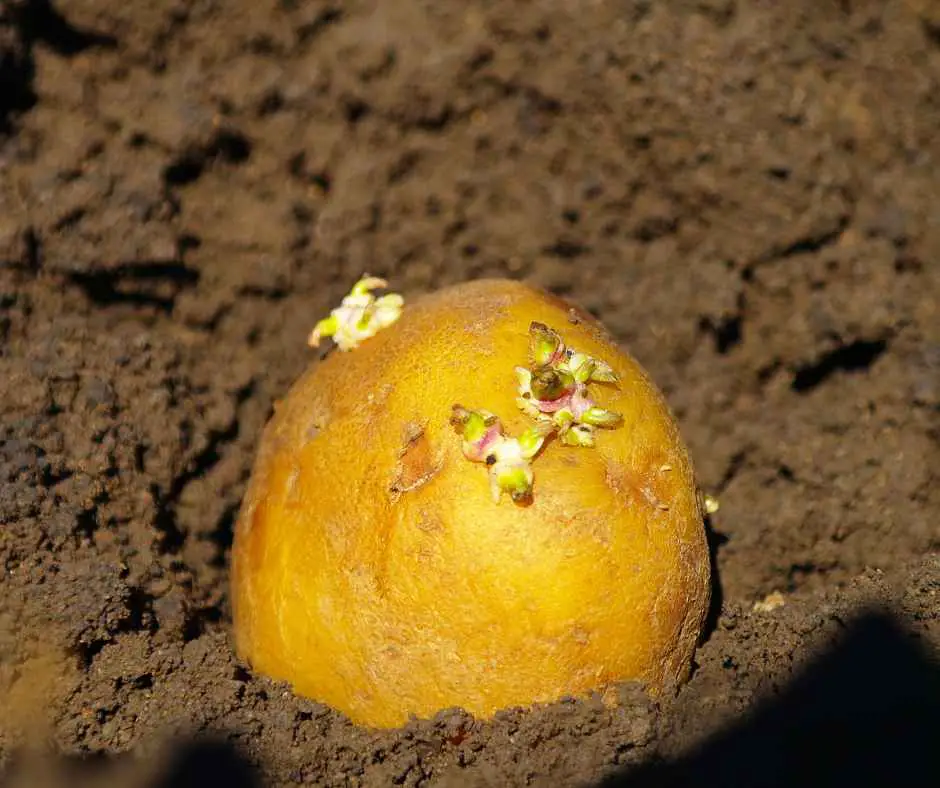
(710,503)
(769,603)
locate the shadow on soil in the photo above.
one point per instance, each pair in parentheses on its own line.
(716,540)
(23,24)
(204,763)
(865,714)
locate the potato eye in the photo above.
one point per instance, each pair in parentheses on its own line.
(490,459)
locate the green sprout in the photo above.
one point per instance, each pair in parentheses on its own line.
(546,349)
(555,390)
(509,459)
(360,315)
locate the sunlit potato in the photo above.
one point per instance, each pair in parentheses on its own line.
(373,570)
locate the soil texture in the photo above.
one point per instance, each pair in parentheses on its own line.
(745,193)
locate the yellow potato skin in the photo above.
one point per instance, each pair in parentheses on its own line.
(372,570)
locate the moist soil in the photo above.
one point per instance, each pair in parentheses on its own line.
(746,194)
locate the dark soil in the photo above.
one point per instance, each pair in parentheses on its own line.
(746,193)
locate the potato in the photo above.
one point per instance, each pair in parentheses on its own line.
(373,570)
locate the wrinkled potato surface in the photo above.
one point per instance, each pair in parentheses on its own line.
(373,571)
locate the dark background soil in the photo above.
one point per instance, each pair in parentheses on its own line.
(746,193)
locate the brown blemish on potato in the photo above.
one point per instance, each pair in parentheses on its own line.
(291,490)
(592,526)
(410,432)
(374,401)
(636,486)
(424,555)
(381,395)
(619,482)
(417,464)
(318,420)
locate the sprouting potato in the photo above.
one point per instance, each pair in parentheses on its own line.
(478,501)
